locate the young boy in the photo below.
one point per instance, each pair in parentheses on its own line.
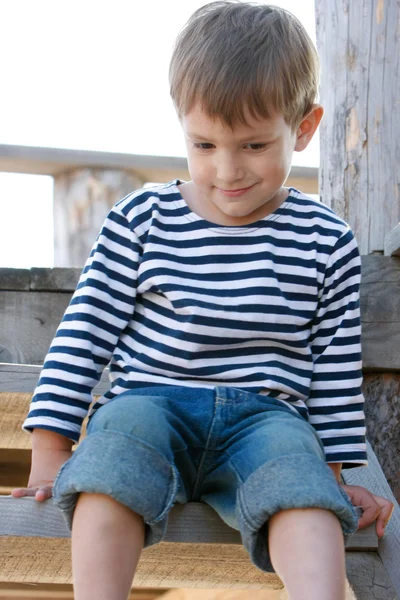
(229,309)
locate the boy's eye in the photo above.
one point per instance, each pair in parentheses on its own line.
(256,146)
(202,146)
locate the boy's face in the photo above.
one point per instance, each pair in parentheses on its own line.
(237,175)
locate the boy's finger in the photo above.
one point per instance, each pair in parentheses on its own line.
(43,493)
(384,518)
(370,514)
(39,493)
(21,492)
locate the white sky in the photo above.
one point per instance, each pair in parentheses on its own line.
(89,75)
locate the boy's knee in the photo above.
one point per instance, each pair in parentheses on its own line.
(131,415)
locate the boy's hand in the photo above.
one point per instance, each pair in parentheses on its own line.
(45,466)
(49,452)
(375,508)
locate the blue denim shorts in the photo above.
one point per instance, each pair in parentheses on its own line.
(246,455)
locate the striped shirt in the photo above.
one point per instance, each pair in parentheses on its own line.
(168,298)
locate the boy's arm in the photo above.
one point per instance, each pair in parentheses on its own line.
(100,309)
(336,402)
(50,451)
(336,470)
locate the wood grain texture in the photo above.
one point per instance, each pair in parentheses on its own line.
(48,560)
(392,242)
(382,412)
(27,560)
(389,547)
(359,49)
(194,522)
(82,200)
(40,591)
(28,321)
(191,594)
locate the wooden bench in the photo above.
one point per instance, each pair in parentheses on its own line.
(199,551)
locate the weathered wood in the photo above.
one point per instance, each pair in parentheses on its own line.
(392,242)
(48,560)
(39,279)
(180,565)
(389,547)
(82,199)
(39,591)
(382,410)
(359,49)
(194,522)
(190,594)
(28,321)
(368,577)
(380,313)
(29,317)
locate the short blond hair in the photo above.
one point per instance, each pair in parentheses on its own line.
(232,56)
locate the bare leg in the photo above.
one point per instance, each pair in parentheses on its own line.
(107,539)
(307,552)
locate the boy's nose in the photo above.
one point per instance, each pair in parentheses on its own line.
(229,170)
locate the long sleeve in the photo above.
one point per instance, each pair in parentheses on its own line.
(100,309)
(336,403)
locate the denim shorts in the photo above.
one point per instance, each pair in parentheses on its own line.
(246,455)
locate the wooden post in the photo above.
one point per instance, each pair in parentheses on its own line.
(82,199)
(359,46)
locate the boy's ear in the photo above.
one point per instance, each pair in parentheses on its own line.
(308,127)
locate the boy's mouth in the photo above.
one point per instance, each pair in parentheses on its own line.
(234,193)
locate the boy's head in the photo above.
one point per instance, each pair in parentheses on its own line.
(233,58)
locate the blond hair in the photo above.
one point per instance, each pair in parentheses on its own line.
(232,56)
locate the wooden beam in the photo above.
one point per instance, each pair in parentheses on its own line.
(392,242)
(194,522)
(389,547)
(65,592)
(359,47)
(48,560)
(54,161)
(190,594)
(188,565)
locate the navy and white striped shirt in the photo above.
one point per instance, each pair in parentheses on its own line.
(169,298)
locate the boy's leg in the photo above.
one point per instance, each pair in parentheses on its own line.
(107,538)
(307,551)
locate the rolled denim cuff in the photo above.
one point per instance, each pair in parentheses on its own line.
(125,468)
(310,484)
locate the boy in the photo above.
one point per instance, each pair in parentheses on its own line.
(228,306)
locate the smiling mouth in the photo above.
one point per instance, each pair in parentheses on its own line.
(237,192)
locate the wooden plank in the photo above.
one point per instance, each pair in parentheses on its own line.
(359,47)
(23,560)
(58,279)
(193,522)
(191,594)
(40,591)
(14,279)
(368,577)
(380,313)
(39,279)
(392,242)
(382,414)
(48,560)
(28,321)
(389,547)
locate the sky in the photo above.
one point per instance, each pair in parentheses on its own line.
(90,75)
